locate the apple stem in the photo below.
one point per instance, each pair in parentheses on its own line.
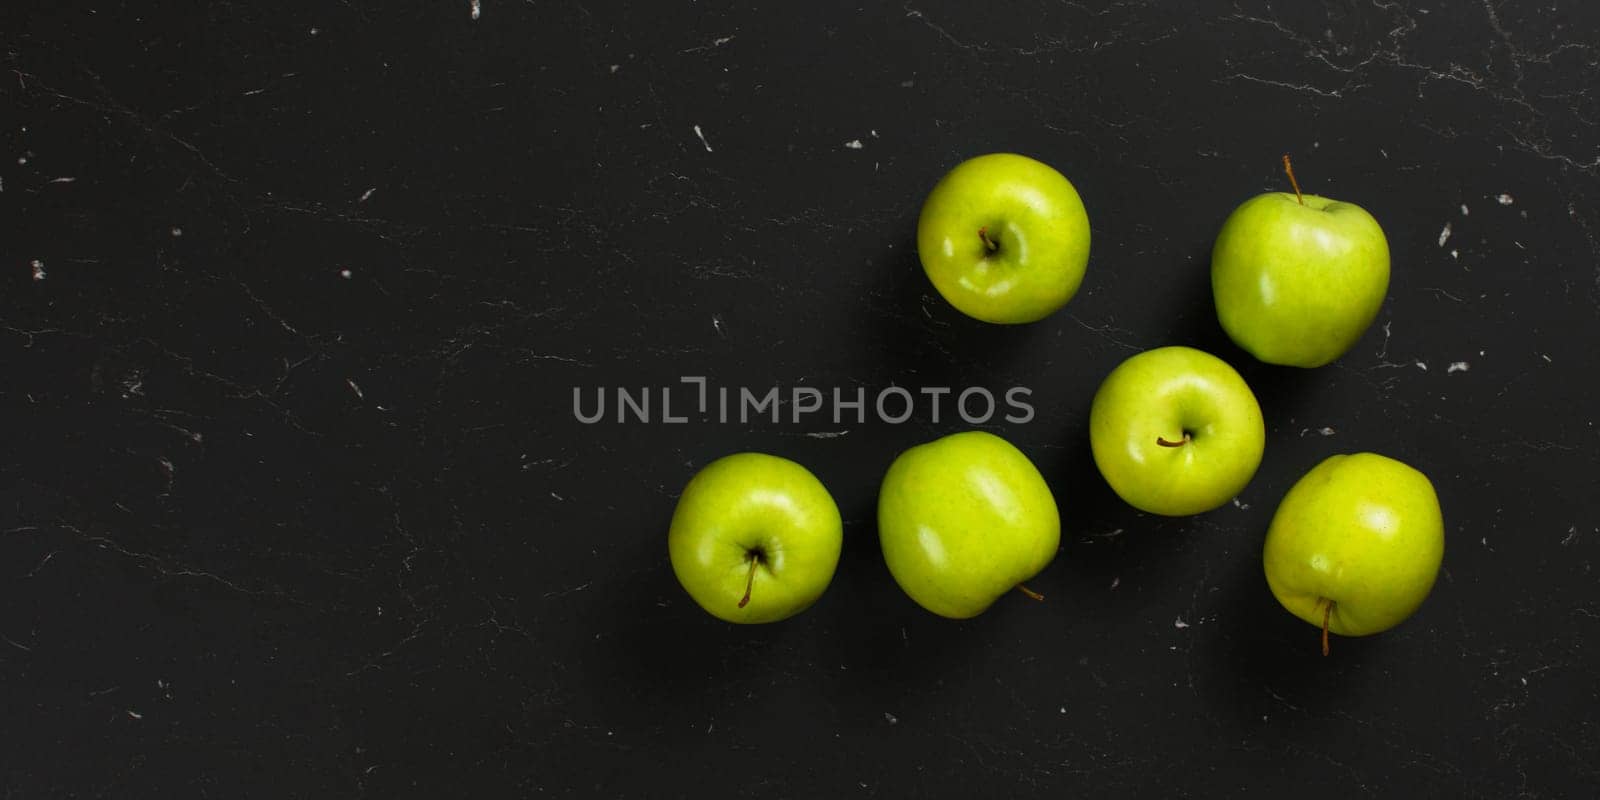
(750,581)
(1289,169)
(1032,595)
(1162,440)
(1327,611)
(988,242)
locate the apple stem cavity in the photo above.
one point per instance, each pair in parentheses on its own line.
(1032,595)
(1327,611)
(750,581)
(1289,170)
(989,242)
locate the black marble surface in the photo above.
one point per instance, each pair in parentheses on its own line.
(293,297)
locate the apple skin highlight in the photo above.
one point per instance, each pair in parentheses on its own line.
(1176,431)
(965,519)
(1363,532)
(755,538)
(1004,238)
(1298,280)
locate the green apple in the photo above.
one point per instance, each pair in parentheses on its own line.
(1297,279)
(1004,238)
(965,519)
(755,538)
(1355,546)
(1176,431)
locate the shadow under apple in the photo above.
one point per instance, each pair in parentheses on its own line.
(656,647)
(927,341)
(1283,392)
(1102,537)
(878,636)
(887,654)
(1261,661)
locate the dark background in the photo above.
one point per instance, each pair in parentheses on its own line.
(268,528)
